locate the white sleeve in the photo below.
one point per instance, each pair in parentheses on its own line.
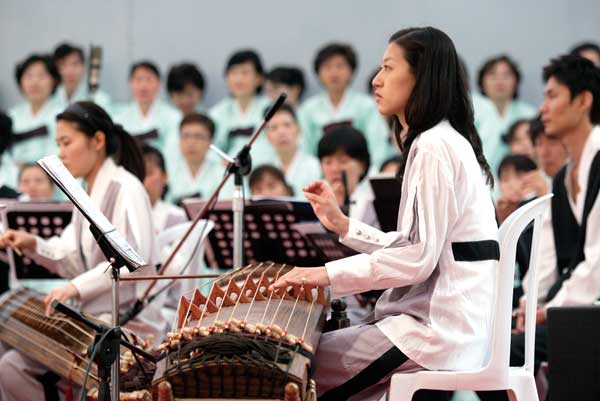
(583,287)
(59,254)
(134,222)
(410,255)
(547,273)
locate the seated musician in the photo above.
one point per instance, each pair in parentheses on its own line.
(439,267)
(111,165)
(568,274)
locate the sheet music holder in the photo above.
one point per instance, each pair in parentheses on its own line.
(386,189)
(44,219)
(268,233)
(327,243)
(112,243)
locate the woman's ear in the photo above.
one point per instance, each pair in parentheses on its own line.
(99,140)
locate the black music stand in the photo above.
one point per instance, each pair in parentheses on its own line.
(326,242)
(386,189)
(45,219)
(269,234)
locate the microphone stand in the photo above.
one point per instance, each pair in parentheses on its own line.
(240,165)
(106,349)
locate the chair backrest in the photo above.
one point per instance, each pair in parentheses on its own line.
(509,234)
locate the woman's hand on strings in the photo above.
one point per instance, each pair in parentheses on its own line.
(324,203)
(61,294)
(18,240)
(298,276)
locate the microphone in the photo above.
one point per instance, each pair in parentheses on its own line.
(346,206)
(94,69)
(280,100)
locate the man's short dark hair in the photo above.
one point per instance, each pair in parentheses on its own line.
(579,75)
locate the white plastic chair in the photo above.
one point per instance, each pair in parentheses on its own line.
(496,373)
(192,251)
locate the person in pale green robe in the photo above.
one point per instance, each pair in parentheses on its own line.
(238,115)
(299,168)
(70,61)
(288,80)
(147,117)
(33,120)
(195,172)
(185,84)
(499,106)
(335,65)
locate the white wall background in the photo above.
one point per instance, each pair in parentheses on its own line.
(286,31)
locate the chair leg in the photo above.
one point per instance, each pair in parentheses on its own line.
(526,392)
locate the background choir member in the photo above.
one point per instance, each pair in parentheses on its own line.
(498,81)
(195,172)
(283,132)
(164,214)
(335,65)
(288,80)
(185,85)
(588,50)
(518,139)
(238,115)
(34,183)
(268,180)
(70,62)
(33,119)
(345,150)
(147,117)
(550,151)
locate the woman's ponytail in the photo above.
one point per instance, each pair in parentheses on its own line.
(128,153)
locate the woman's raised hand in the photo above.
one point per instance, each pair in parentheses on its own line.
(324,203)
(17,240)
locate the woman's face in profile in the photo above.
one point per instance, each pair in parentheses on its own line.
(394,82)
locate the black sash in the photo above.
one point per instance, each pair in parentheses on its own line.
(27,135)
(330,127)
(147,136)
(243,132)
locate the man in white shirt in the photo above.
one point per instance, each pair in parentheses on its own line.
(569,273)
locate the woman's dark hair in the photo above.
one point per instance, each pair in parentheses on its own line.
(440,91)
(154,155)
(536,127)
(6,132)
(510,132)
(585,46)
(579,75)
(182,74)
(391,160)
(290,76)
(350,141)
(266,169)
(48,63)
(284,108)
(91,118)
(491,63)
(521,164)
(149,65)
(202,119)
(335,49)
(246,56)
(66,49)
